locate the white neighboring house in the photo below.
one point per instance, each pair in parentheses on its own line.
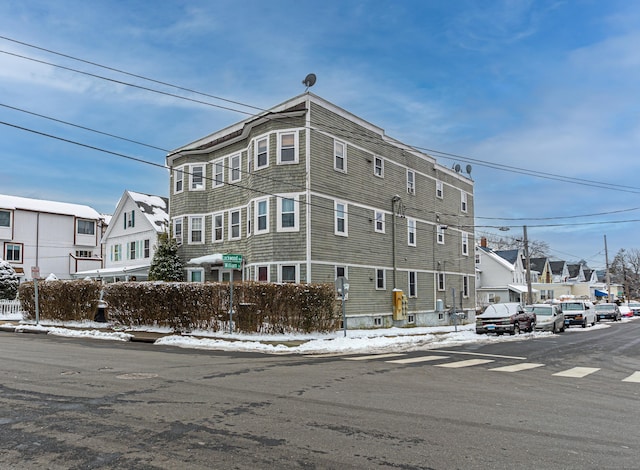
(500,276)
(56,237)
(132,237)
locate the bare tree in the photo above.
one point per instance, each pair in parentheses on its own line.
(625,269)
(537,248)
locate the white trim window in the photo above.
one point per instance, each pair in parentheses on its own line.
(339,156)
(177,230)
(116,252)
(439,189)
(440,234)
(411,181)
(379,223)
(235,222)
(196,229)
(195,274)
(287,147)
(378,167)
(341,218)
(218,172)
(465,244)
(463,201)
(261,149)
(413,284)
(86,227)
(235,162)
(478,258)
(196,177)
(441,282)
(178,180)
(288,273)
(261,207)
(218,227)
(13,252)
(465,286)
(288,213)
(381,279)
(411,231)
(5,219)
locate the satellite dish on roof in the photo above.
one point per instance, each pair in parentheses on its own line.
(456,167)
(468,169)
(309,80)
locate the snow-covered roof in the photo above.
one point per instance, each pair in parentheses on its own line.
(155,209)
(52,207)
(215,258)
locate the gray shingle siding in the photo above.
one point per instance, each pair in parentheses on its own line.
(364,249)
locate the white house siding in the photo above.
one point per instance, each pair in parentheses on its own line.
(50,240)
(363,250)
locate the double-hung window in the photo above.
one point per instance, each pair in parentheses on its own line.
(116,252)
(234,168)
(218,172)
(441,284)
(197,177)
(262,153)
(178,181)
(341,225)
(378,167)
(288,213)
(413,284)
(440,234)
(411,182)
(261,215)
(465,286)
(262,273)
(439,189)
(177,230)
(411,231)
(379,222)
(465,244)
(196,228)
(218,227)
(5,219)
(380,279)
(463,201)
(288,147)
(234,224)
(339,156)
(288,273)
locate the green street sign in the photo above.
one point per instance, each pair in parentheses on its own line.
(232,261)
(230,265)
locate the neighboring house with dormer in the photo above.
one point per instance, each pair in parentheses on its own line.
(559,271)
(540,270)
(307,192)
(576,273)
(57,237)
(501,276)
(132,237)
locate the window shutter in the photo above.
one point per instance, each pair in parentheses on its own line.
(133,219)
(125,221)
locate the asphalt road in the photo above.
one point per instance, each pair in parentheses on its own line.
(568,401)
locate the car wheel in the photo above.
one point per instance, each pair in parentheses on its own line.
(584,323)
(516,329)
(562,328)
(594,322)
(554,330)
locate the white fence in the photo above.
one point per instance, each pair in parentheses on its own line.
(10,307)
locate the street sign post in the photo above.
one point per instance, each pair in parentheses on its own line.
(35,274)
(231,261)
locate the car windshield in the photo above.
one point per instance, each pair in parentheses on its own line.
(604,308)
(572,306)
(634,305)
(541,310)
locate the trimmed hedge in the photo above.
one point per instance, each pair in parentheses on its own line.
(258,307)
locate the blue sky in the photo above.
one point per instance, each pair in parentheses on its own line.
(547,86)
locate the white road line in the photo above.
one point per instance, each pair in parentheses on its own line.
(577,372)
(517,358)
(518,367)
(635,377)
(467,363)
(410,360)
(373,356)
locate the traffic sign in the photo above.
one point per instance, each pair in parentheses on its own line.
(232,261)
(35,272)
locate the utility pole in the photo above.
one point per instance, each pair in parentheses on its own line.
(606,259)
(527,265)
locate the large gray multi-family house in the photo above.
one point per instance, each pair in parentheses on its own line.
(308,192)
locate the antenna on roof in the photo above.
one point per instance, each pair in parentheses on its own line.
(309,81)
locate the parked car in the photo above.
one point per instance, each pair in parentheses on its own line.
(625,311)
(608,311)
(578,312)
(635,308)
(505,318)
(549,317)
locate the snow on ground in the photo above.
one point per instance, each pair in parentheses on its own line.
(382,340)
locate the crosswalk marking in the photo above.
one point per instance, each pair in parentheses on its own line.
(410,360)
(373,356)
(577,372)
(518,367)
(635,377)
(467,363)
